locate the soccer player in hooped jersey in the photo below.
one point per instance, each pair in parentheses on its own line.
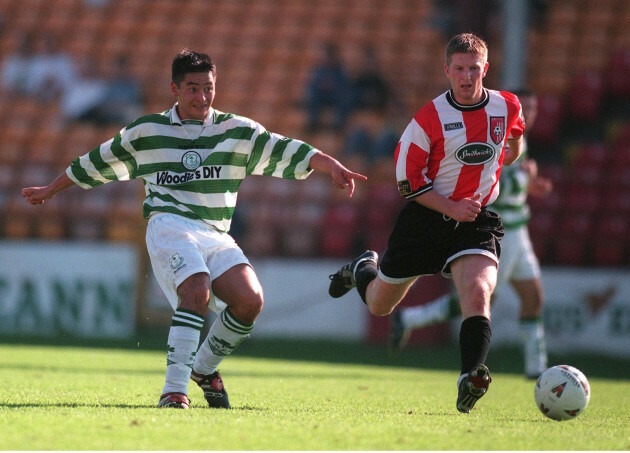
(448,162)
(192,159)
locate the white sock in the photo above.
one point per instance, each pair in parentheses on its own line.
(534,348)
(432,312)
(183,339)
(225,334)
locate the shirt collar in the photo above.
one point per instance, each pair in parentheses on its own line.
(451,100)
(174,117)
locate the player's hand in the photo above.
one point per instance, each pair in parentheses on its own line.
(342,178)
(466,209)
(531,168)
(36,195)
(539,187)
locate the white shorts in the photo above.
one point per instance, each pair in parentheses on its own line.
(518,260)
(181,247)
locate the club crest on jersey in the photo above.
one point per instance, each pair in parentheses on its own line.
(497,128)
(191,160)
(475,153)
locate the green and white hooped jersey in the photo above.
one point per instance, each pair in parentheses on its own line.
(511,204)
(192,168)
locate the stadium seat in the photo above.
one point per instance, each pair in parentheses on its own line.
(585,177)
(18,220)
(557,173)
(620,155)
(618,180)
(260,242)
(340,230)
(617,86)
(569,253)
(575,226)
(622,136)
(376,239)
(382,205)
(585,97)
(300,242)
(49,222)
(542,229)
(608,254)
(616,200)
(581,199)
(547,127)
(571,241)
(592,154)
(124,229)
(611,240)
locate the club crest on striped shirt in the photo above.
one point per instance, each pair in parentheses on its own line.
(191,160)
(497,128)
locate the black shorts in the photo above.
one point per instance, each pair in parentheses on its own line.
(424,241)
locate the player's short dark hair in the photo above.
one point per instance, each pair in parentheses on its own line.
(466,43)
(187,61)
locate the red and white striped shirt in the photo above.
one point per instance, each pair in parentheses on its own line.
(456,149)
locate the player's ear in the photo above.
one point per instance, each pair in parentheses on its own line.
(174,89)
(485,69)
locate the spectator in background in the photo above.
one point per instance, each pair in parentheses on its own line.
(83,96)
(477,16)
(519,265)
(16,65)
(329,87)
(367,146)
(376,122)
(120,97)
(39,69)
(373,135)
(124,94)
(51,71)
(370,90)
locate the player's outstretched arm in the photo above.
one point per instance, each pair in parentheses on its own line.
(38,195)
(341,176)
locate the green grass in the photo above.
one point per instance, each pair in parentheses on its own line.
(293,396)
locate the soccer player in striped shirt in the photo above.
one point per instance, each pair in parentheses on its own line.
(192,159)
(448,163)
(519,265)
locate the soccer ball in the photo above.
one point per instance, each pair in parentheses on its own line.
(562,392)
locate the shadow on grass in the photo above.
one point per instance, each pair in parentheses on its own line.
(74,405)
(500,360)
(503,360)
(244,408)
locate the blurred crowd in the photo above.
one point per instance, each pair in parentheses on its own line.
(354,108)
(41,70)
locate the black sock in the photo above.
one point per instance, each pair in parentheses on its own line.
(474,341)
(365,273)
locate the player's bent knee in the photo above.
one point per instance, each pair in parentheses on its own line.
(475,301)
(247,308)
(377,308)
(194,294)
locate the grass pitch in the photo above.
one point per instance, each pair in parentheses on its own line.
(292,396)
